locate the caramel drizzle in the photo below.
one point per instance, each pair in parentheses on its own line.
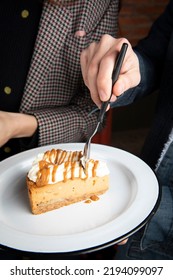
(43,173)
(55,158)
(59,156)
(96,162)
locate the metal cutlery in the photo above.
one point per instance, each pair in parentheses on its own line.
(115,75)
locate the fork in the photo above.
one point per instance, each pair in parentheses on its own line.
(115,75)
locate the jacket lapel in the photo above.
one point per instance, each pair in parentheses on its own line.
(54,25)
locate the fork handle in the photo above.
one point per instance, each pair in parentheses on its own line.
(102,111)
(115,75)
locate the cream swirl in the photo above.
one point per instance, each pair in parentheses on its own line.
(58,165)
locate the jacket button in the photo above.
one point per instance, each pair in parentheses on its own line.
(7,90)
(24,13)
(7,150)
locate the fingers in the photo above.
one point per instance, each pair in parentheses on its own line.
(85,59)
(104,75)
(89,66)
(93,68)
(123,242)
(97,63)
(92,71)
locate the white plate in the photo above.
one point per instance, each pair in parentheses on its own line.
(130,201)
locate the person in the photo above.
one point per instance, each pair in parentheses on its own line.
(43,97)
(147,68)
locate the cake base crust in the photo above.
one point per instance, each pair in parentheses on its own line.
(54,196)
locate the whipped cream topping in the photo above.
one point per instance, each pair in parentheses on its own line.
(59,165)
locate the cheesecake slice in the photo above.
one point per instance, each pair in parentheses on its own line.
(57,179)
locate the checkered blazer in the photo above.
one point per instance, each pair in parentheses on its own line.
(55,93)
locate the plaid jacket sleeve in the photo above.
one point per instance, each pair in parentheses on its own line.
(55,93)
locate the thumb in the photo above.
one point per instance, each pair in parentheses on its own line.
(125,82)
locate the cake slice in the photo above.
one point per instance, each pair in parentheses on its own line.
(57,179)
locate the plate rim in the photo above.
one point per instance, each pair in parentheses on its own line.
(103,245)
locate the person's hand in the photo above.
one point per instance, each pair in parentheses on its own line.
(97,63)
(16,125)
(123,242)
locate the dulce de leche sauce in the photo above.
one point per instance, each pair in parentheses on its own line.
(50,164)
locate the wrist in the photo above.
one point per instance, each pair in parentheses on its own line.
(22,125)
